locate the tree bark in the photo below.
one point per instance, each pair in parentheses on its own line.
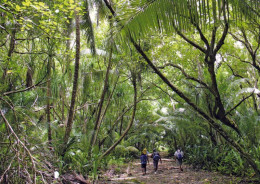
(75,86)
(10,52)
(48,113)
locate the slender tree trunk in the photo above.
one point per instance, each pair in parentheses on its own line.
(29,77)
(66,67)
(102,98)
(75,85)
(10,52)
(121,125)
(68,42)
(48,113)
(130,122)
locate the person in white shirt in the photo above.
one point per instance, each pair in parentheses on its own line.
(179,157)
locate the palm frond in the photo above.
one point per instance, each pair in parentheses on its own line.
(101,9)
(147,16)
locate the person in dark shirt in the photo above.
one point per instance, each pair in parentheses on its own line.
(144,161)
(156,157)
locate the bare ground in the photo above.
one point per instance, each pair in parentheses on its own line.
(168,173)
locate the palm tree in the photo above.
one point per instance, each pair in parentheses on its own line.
(86,25)
(75,85)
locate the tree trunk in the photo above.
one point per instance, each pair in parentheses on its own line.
(130,122)
(29,77)
(10,52)
(102,98)
(48,113)
(121,125)
(75,85)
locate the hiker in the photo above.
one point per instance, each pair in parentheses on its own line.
(144,161)
(156,157)
(179,157)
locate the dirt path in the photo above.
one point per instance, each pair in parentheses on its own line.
(168,173)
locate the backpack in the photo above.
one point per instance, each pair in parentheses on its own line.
(143,159)
(179,156)
(156,156)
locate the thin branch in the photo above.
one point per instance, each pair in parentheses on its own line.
(160,88)
(11,105)
(188,76)
(110,8)
(24,39)
(221,41)
(213,37)
(240,59)
(17,52)
(189,41)
(228,112)
(233,72)
(4,29)
(236,38)
(258,42)
(26,89)
(248,45)
(4,43)
(109,100)
(203,38)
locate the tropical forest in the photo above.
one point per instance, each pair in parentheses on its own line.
(129,91)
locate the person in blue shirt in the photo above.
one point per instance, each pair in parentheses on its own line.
(144,160)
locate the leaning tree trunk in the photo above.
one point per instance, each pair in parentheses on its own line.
(75,85)
(100,106)
(130,122)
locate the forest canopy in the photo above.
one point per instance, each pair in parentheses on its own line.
(88,82)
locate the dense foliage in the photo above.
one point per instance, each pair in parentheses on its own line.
(88,82)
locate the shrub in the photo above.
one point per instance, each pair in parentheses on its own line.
(120,151)
(132,152)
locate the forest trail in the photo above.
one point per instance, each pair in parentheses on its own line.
(168,173)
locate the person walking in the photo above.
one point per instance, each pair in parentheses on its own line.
(179,157)
(144,161)
(156,157)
